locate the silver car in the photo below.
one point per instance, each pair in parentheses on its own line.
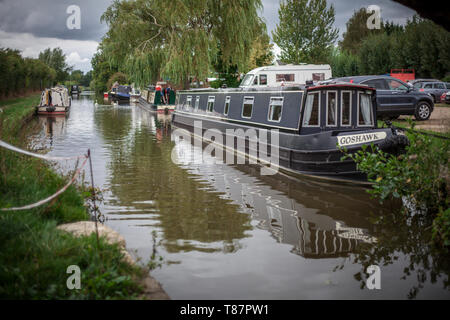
(434,88)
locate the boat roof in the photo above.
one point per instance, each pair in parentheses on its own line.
(316,86)
(292,67)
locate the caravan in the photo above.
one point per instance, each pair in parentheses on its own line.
(275,76)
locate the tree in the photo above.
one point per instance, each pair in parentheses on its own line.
(56,59)
(357,31)
(179,39)
(305,32)
(261,53)
(102,71)
(343,63)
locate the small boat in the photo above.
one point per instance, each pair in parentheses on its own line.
(54,101)
(314,122)
(120,94)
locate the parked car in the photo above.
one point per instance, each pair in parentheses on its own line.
(435,88)
(446,97)
(395,97)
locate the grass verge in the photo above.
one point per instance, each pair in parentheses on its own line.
(34,255)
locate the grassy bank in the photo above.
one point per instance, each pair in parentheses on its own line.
(34,255)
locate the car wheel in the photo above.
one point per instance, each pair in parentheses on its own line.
(423,111)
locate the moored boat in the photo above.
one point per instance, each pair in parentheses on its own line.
(314,123)
(159,98)
(54,101)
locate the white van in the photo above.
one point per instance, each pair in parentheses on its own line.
(274,76)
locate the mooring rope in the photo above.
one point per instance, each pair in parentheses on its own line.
(39,203)
(40,156)
(37,155)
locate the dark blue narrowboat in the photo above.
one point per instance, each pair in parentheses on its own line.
(314,122)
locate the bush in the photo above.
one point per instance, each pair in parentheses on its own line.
(419,177)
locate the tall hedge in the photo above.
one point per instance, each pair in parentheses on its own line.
(21,75)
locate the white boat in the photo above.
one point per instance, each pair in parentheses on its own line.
(54,101)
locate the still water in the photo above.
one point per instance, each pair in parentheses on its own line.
(225,232)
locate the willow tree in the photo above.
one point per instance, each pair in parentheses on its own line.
(179,39)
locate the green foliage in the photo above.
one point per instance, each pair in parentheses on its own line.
(421,45)
(118,77)
(56,59)
(305,32)
(441,228)
(343,64)
(21,75)
(357,31)
(102,71)
(419,177)
(178,40)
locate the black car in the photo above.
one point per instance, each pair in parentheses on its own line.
(395,98)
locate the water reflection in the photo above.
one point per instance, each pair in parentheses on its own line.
(318,221)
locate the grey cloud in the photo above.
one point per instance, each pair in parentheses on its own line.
(47,18)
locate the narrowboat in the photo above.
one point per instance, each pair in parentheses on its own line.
(54,101)
(315,122)
(155,99)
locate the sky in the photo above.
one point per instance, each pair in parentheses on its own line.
(34,25)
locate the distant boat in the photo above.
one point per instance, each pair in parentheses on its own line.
(54,101)
(135,95)
(120,94)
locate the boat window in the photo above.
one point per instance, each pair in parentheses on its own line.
(227,105)
(312,110)
(247,107)
(210,106)
(365,114)
(255,82)
(346,102)
(188,102)
(263,79)
(331,108)
(247,80)
(275,107)
(197,102)
(285,77)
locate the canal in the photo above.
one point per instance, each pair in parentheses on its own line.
(216,231)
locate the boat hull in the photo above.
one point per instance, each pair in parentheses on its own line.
(52,110)
(314,155)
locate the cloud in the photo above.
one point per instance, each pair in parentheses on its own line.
(48,18)
(78,52)
(31,26)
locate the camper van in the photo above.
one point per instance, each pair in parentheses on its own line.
(274,76)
